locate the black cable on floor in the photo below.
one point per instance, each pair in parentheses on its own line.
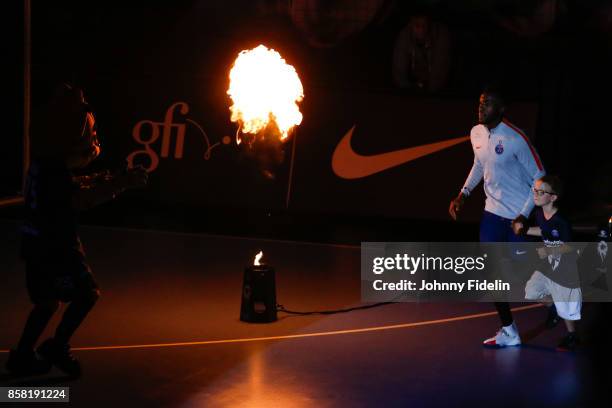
(281,308)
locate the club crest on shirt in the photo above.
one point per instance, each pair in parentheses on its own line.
(554,233)
(602,249)
(499,149)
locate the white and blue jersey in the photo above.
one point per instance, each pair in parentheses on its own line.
(509,165)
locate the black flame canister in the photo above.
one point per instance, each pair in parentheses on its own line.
(258,295)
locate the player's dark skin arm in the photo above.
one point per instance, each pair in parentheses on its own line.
(456,205)
(93,193)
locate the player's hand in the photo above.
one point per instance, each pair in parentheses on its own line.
(456,205)
(520,225)
(542,252)
(136,177)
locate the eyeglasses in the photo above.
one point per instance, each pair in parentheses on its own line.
(540,193)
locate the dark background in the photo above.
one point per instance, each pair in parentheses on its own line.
(11,147)
(134,60)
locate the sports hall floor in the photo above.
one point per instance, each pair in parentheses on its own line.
(166,332)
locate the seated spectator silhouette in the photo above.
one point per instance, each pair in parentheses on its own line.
(421,57)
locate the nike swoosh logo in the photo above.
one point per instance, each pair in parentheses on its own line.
(520,252)
(348,164)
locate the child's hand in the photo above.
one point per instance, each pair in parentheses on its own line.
(136,177)
(517,227)
(542,252)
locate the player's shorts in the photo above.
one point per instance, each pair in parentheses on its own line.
(568,301)
(494,228)
(54,274)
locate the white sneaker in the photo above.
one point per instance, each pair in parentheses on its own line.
(506,336)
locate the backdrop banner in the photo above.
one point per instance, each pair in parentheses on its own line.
(356,153)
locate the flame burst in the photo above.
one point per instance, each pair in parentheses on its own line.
(264,90)
(258,258)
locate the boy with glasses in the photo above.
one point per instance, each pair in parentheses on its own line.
(557,276)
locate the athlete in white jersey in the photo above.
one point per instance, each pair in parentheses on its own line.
(509,165)
(507,161)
